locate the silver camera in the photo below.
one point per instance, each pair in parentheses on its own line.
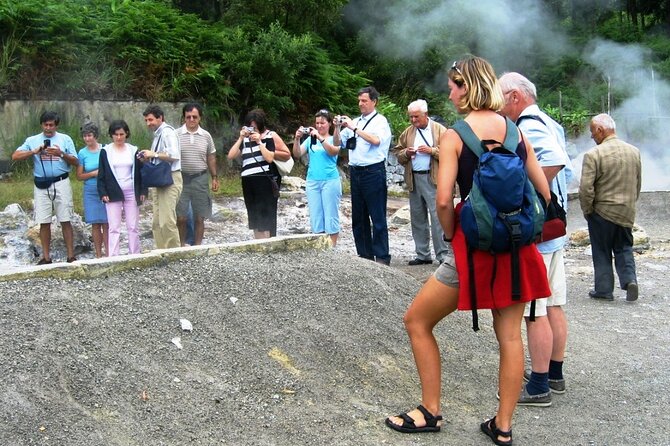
(339,120)
(305,130)
(248,129)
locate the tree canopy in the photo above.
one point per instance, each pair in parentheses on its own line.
(292,57)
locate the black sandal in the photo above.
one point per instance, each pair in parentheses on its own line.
(408,426)
(489,428)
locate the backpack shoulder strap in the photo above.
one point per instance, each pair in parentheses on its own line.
(534,117)
(468,136)
(511,136)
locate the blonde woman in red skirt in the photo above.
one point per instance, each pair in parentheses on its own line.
(475,92)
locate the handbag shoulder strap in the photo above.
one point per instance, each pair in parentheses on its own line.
(155,160)
(158,144)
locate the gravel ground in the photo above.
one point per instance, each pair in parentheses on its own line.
(304,348)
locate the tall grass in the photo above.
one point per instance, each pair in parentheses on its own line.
(8,67)
(18,188)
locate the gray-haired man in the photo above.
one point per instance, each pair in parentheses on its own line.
(418,151)
(547,335)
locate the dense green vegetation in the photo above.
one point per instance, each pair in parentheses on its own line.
(292,57)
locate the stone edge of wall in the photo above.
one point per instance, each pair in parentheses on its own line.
(89,269)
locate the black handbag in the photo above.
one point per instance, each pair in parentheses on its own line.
(156,175)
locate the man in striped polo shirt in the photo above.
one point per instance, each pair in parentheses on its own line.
(198,157)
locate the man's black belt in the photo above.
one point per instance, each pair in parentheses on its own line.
(421,172)
(368,167)
(194,175)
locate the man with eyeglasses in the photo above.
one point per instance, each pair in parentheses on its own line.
(547,334)
(367,140)
(198,157)
(418,151)
(53,156)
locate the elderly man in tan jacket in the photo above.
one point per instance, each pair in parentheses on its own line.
(418,151)
(608,192)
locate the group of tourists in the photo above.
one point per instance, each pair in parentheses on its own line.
(115,184)
(526,281)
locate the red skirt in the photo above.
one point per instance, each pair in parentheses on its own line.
(493,275)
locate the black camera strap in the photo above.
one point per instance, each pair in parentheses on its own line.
(44,171)
(424,138)
(355,137)
(368,121)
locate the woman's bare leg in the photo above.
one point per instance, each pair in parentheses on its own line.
(96,232)
(507,326)
(432,304)
(261,234)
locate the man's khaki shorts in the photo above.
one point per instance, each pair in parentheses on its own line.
(556,275)
(196,194)
(56,198)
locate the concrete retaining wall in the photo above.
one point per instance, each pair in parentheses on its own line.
(21,118)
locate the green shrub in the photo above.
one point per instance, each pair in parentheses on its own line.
(151,51)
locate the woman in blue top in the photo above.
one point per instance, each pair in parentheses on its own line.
(87,171)
(324,188)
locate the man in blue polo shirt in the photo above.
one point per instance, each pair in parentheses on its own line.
(53,155)
(367,174)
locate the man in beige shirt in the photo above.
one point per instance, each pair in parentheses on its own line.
(608,191)
(418,151)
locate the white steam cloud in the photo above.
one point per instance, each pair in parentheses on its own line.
(643,117)
(505,32)
(517,35)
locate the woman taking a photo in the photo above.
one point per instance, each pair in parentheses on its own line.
(120,188)
(475,92)
(87,171)
(258,147)
(324,188)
